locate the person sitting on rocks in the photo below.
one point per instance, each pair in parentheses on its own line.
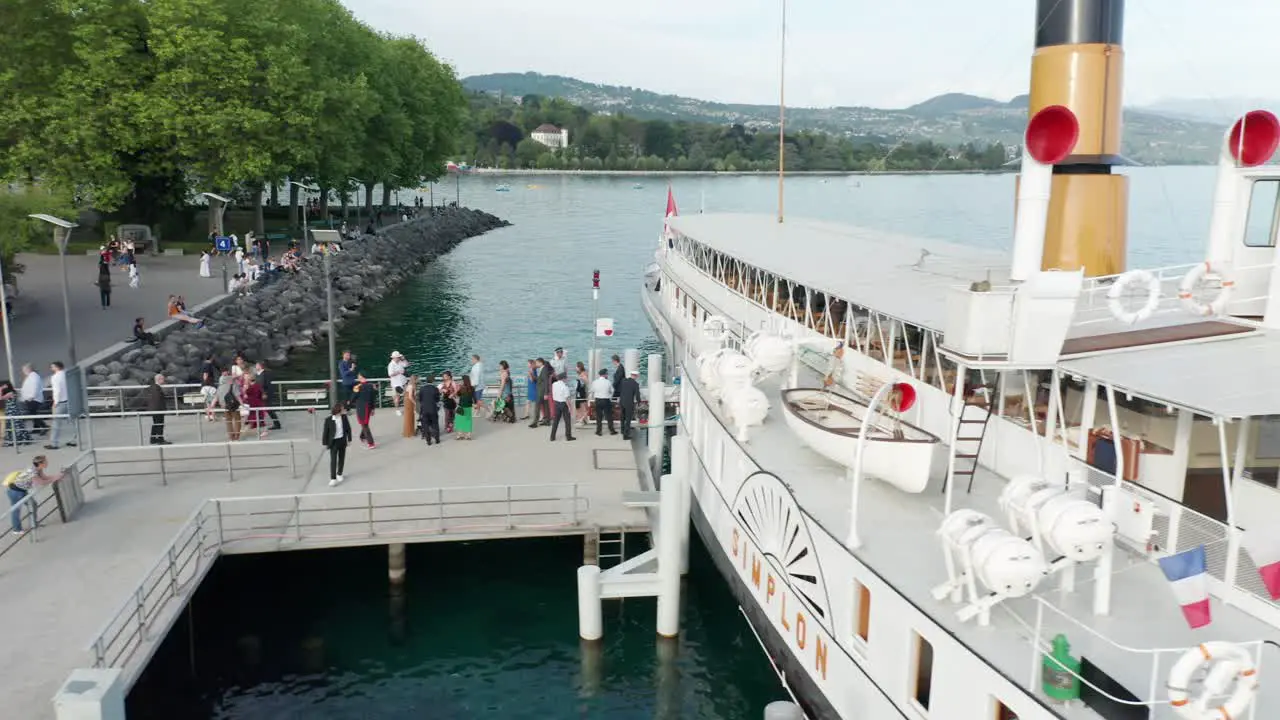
(178,311)
(140,333)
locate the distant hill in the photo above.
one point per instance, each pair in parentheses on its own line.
(1224,111)
(1152,136)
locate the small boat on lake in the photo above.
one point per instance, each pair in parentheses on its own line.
(502,188)
(829,422)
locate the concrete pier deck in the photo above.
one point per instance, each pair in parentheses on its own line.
(63,587)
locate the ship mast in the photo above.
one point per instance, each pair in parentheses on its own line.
(782,110)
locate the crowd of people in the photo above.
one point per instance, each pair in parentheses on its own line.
(556,395)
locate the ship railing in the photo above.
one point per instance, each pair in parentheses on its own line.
(1093,307)
(1175,528)
(274,522)
(1049,622)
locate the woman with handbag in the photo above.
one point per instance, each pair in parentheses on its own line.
(336,435)
(229,399)
(448,399)
(466,409)
(411,408)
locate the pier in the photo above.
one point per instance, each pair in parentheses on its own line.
(100,590)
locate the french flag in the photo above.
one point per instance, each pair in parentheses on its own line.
(1189,576)
(1264,548)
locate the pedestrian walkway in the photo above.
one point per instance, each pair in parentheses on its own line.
(73,579)
(38,333)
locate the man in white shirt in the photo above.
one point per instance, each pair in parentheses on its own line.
(602,391)
(32,396)
(399,379)
(476,373)
(560,396)
(58,381)
(558,362)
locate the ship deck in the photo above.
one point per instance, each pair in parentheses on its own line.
(900,542)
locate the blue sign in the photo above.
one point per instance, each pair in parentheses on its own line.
(222,243)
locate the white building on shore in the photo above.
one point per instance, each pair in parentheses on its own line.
(551,136)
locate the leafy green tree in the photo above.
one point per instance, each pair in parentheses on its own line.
(527,152)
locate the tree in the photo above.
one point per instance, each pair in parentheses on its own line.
(18,232)
(527,152)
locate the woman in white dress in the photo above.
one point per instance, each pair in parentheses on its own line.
(204,265)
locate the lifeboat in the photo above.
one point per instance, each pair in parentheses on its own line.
(829,422)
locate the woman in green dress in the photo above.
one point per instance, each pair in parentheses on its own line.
(466,401)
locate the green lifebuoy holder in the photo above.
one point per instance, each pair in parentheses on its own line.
(1060,672)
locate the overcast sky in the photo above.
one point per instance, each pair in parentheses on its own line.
(839,52)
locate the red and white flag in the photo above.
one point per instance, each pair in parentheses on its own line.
(1263,547)
(671,212)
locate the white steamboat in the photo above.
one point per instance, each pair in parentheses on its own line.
(1088,434)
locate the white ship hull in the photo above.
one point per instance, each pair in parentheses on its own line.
(794,581)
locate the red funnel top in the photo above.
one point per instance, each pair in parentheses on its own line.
(1052,134)
(1261,131)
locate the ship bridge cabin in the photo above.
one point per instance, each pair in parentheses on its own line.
(1172,417)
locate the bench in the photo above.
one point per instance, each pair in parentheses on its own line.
(173,251)
(306,395)
(272,237)
(195,399)
(104,402)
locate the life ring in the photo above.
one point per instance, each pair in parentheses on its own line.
(1123,283)
(1227,662)
(1194,277)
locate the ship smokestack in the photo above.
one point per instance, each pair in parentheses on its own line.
(1250,142)
(1051,135)
(1079,64)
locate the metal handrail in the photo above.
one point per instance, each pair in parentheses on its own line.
(223,451)
(44,508)
(201,538)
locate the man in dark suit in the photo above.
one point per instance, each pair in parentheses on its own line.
(429,411)
(619,374)
(541,412)
(365,397)
(628,399)
(336,437)
(156,405)
(267,378)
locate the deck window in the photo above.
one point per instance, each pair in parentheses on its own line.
(1002,712)
(861,611)
(922,684)
(1264,214)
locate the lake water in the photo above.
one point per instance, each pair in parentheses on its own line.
(518,292)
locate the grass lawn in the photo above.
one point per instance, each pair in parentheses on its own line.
(83,248)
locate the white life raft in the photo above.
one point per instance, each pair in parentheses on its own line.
(1123,283)
(1226,662)
(1194,277)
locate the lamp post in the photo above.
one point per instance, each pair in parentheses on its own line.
(4,315)
(328,238)
(359,202)
(217,207)
(305,189)
(394,176)
(61,234)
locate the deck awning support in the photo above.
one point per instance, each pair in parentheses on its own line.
(854,541)
(1233,534)
(1116,438)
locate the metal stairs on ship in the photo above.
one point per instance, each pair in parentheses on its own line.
(971,431)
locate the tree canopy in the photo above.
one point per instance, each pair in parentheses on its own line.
(138,105)
(500,137)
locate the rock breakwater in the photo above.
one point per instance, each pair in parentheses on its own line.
(290,313)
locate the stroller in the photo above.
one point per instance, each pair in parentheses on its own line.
(503,411)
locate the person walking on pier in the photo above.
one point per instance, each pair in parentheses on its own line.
(504,408)
(229,393)
(448,399)
(15,431)
(602,391)
(476,373)
(336,435)
(32,397)
(365,397)
(429,412)
(464,420)
(628,400)
(156,406)
(104,285)
(58,381)
(267,379)
(561,395)
(530,389)
(619,374)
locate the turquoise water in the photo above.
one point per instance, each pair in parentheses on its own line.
(518,292)
(482,630)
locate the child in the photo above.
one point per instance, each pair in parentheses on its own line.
(134,281)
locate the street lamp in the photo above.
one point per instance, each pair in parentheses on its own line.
(306,189)
(4,314)
(61,234)
(359,202)
(217,208)
(394,176)
(327,239)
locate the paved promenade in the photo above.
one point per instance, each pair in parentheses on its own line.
(38,333)
(66,585)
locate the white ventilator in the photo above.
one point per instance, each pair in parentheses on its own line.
(1228,684)
(976,550)
(745,406)
(1062,523)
